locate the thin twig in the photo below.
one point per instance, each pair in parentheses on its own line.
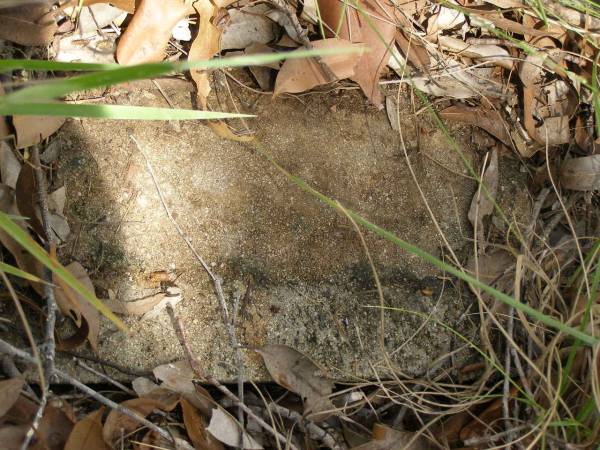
(115,383)
(125,370)
(8,349)
(42,193)
(200,373)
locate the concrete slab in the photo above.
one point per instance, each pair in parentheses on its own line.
(312,285)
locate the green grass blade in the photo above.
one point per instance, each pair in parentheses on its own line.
(112,111)
(39,64)
(23,238)
(58,88)
(12,270)
(507,299)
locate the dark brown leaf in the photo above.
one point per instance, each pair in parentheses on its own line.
(196,428)
(27,24)
(117,422)
(413,51)
(74,305)
(26,193)
(12,436)
(32,130)
(386,438)
(302,74)
(55,427)
(487,119)
(87,433)
(10,390)
(377,35)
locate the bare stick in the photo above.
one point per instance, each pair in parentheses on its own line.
(199,371)
(8,349)
(216,280)
(49,343)
(312,429)
(105,377)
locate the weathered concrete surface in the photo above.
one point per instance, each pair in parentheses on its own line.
(312,286)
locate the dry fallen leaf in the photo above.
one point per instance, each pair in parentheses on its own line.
(178,377)
(456,81)
(204,47)
(55,427)
(224,428)
(296,372)
(414,51)
(143,386)
(32,130)
(487,119)
(72,304)
(443,19)
(116,422)
(125,5)
(302,74)
(195,426)
(12,436)
(87,433)
(482,204)
(386,438)
(27,195)
(248,26)
(10,390)
(581,174)
(23,258)
(377,35)
(147,35)
(10,167)
(21,412)
(492,53)
(31,24)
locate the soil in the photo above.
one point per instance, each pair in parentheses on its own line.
(311,284)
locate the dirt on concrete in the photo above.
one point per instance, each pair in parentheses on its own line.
(311,284)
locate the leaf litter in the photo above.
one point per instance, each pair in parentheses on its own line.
(532,101)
